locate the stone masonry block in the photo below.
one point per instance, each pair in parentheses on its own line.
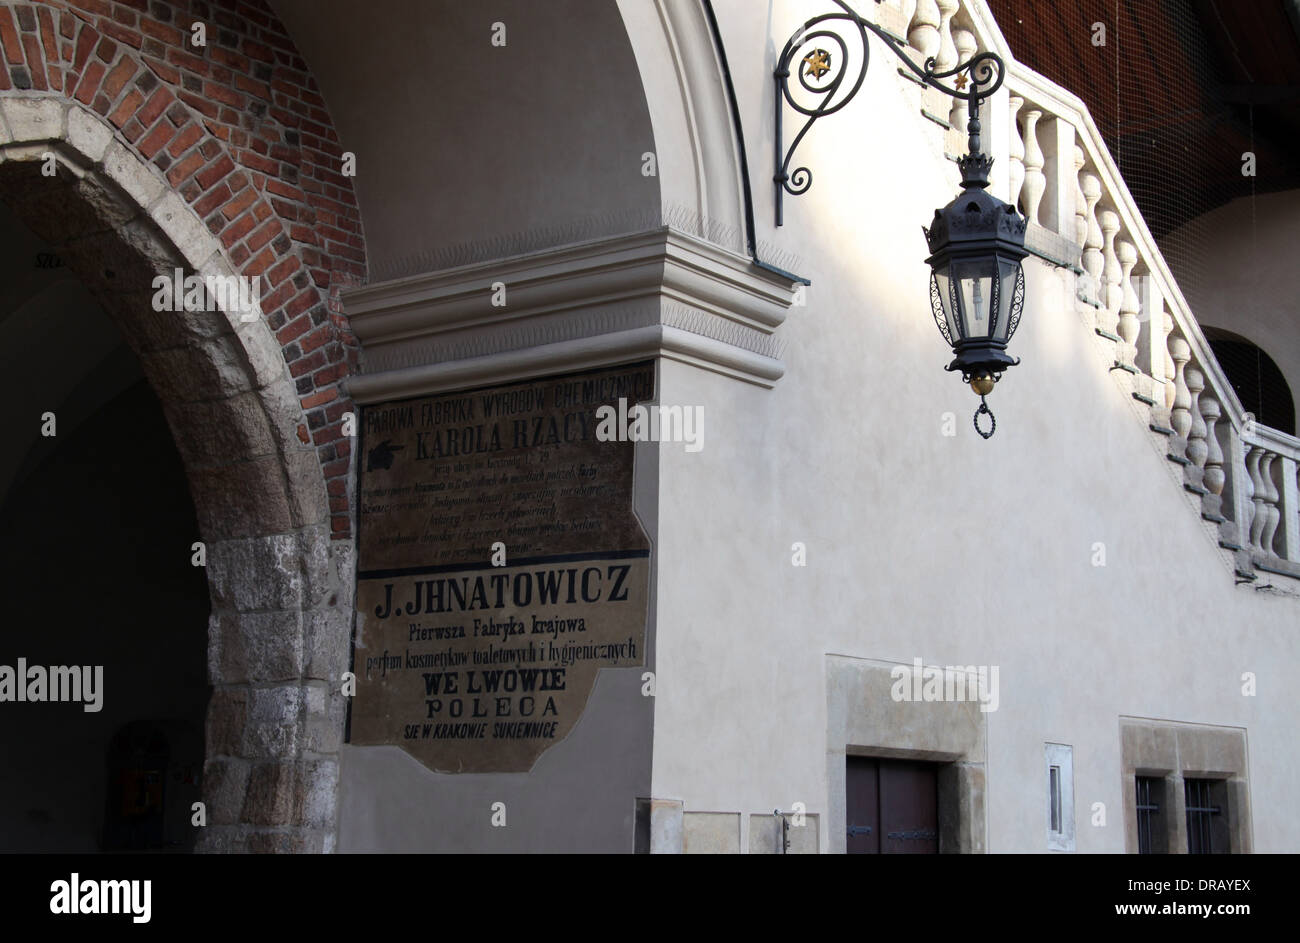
(318,792)
(227,713)
(262,352)
(326,717)
(327,633)
(185,230)
(256,573)
(252,647)
(241,499)
(274,724)
(308,502)
(214,371)
(269,799)
(225,782)
(34,119)
(314,549)
(126,170)
(88,135)
(213,432)
(285,412)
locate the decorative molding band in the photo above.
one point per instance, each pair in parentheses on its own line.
(710,306)
(602,350)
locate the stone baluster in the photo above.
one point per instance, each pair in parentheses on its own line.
(1180,412)
(1112,294)
(966,45)
(1271,496)
(1035,183)
(1248,506)
(946,58)
(1153,354)
(1214,477)
(1259,490)
(1197,449)
(1167,322)
(923,31)
(1248,503)
(1016,157)
(1080,200)
(907,8)
(1056,211)
(1152,346)
(1093,260)
(1291,508)
(1236,505)
(1129,307)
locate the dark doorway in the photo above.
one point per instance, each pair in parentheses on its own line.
(95,543)
(1258,381)
(892,806)
(97,528)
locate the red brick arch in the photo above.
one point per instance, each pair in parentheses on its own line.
(242,135)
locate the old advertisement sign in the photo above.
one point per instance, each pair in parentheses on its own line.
(501,567)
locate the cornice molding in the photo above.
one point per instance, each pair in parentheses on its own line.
(600,350)
(658,292)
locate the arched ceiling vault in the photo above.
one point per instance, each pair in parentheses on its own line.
(468,150)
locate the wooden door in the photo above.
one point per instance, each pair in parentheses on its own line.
(892,806)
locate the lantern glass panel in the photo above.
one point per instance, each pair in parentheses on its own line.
(1008,274)
(943,289)
(976,296)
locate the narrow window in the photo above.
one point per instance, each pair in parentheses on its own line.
(1149,789)
(1207,818)
(1054,797)
(1060,796)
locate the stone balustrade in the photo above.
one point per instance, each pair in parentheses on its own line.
(1269,504)
(1057,171)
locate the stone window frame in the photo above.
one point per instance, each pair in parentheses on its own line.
(862,719)
(1174,751)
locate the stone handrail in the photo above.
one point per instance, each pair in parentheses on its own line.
(1052,162)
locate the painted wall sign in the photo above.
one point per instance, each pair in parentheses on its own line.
(475,659)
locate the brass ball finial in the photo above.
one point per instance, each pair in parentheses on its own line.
(982,383)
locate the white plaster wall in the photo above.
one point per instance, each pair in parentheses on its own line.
(1251,285)
(468,151)
(955,550)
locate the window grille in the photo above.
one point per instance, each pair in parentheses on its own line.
(1148,812)
(1205,817)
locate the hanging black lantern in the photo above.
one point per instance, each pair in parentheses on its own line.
(977,289)
(977,285)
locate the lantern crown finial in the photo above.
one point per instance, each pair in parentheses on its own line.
(975,170)
(976,219)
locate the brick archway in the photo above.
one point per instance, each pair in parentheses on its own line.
(220,159)
(280,586)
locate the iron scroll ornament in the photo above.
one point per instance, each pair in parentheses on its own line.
(983,73)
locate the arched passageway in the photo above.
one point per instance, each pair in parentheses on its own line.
(277,638)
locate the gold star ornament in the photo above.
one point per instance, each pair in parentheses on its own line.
(817,63)
(961,81)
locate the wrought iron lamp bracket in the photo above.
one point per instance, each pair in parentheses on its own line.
(983,73)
